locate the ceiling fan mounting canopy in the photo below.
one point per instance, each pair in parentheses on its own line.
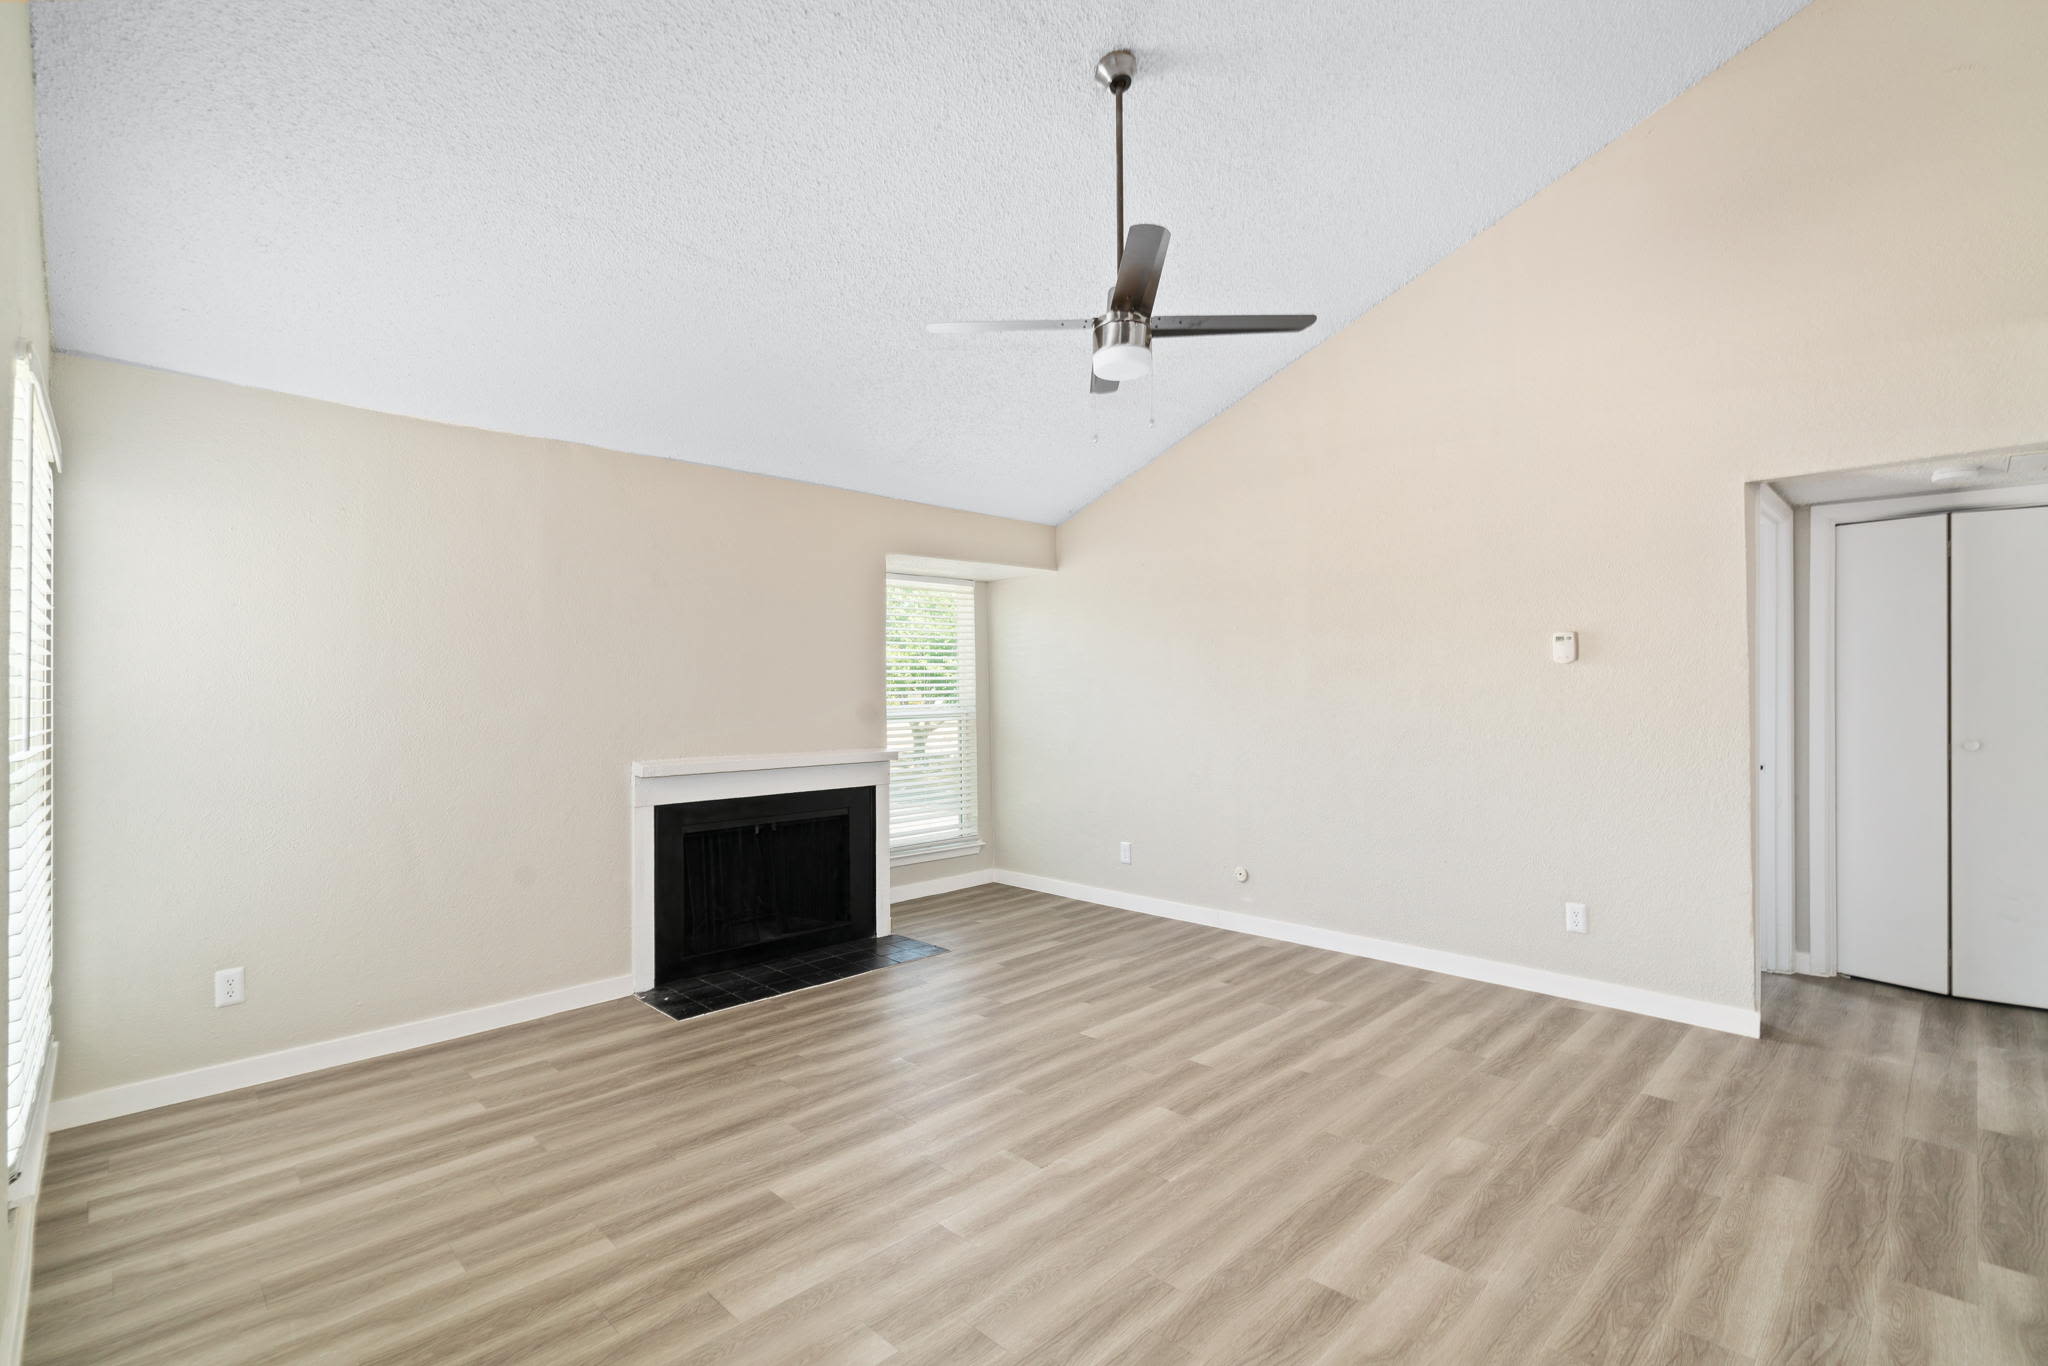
(1123,333)
(1116,69)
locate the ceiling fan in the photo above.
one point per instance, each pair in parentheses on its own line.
(1123,333)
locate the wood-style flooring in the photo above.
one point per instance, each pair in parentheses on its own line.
(1086,1135)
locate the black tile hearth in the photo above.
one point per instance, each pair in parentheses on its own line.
(688,996)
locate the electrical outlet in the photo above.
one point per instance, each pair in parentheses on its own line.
(1123,852)
(1575,917)
(227,987)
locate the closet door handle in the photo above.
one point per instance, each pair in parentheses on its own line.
(1972,746)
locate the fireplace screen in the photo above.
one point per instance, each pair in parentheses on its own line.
(746,879)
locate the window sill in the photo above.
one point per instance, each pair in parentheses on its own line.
(930,852)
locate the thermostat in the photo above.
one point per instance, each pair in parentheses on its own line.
(1564,646)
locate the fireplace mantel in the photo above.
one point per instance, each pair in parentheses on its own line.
(742,763)
(660,782)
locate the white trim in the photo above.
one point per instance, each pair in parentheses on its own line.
(938,886)
(18,1285)
(1772,732)
(1636,1000)
(21,1205)
(39,393)
(137,1096)
(1822,519)
(705,780)
(1802,963)
(946,580)
(26,1183)
(979,571)
(934,852)
(747,763)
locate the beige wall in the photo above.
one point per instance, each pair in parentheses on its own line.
(349,699)
(24,317)
(1312,639)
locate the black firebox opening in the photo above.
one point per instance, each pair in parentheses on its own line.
(746,879)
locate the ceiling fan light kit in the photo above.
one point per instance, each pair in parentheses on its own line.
(1123,333)
(1123,347)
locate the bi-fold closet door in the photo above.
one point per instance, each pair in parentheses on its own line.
(1941,753)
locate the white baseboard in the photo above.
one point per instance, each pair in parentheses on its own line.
(1636,1000)
(135,1097)
(938,886)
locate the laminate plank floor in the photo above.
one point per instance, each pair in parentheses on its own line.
(1087,1135)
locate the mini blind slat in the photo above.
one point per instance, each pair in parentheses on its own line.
(929,690)
(30,828)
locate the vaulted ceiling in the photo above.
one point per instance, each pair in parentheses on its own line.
(715,231)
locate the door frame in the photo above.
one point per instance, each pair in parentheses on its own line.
(1772,732)
(1822,519)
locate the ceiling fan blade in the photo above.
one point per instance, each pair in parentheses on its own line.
(1137,273)
(1014,325)
(1230,324)
(1098,385)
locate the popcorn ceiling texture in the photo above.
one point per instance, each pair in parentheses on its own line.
(714,232)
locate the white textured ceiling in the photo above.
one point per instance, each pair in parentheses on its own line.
(714,231)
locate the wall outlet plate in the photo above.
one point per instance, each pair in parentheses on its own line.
(1123,852)
(227,987)
(1575,917)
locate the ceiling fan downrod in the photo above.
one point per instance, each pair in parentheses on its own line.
(1115,70)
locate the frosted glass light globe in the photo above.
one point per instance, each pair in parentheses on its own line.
(1123,360)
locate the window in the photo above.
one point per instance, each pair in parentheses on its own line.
(34,468)
(929,682)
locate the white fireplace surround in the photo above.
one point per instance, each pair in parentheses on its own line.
(661,782)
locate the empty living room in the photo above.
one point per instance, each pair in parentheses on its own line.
(1140,684)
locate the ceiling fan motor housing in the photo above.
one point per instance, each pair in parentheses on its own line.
(1123,346)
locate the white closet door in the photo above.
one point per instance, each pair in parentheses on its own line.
(1999,611)
(1891,751)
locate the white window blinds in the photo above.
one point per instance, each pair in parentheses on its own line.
(931,710)
(32,526)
